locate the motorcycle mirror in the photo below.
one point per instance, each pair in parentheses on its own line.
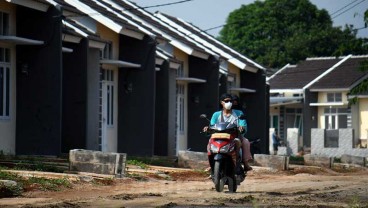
(203,116)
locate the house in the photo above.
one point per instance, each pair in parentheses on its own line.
(238,75)
(110,76)
(314,94)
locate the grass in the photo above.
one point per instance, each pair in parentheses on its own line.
(31,183)
(158,161)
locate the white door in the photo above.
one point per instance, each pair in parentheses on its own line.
(181,141)
(108,126)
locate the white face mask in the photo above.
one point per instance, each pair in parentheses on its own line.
(228,105)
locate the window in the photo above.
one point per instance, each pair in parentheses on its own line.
(336,118)
(4,23)
(106,53)
(4,82)
(180,92)
(109,81)
(334,97)
(231,80)
(180,71)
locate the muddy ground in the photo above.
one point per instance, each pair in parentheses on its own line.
(298,187)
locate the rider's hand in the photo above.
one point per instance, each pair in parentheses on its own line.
(241,129)
(205,129)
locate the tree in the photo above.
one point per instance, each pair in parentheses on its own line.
(363,86)
(277,32)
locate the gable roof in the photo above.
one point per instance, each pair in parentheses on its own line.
(100,15)
(298,76)
(345,76)
(176,38)
(197,34)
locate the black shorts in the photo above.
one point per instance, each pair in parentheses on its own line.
(275,147)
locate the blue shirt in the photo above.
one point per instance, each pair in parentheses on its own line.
(216,117)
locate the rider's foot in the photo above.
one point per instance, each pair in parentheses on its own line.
(247,167)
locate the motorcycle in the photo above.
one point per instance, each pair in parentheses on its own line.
(225,162)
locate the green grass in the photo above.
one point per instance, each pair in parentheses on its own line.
(158,161)
(24,184)
(139,163)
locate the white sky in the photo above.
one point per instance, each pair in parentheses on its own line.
(207,14)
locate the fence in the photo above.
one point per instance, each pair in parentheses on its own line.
(335,143)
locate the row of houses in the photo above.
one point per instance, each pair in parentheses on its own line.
(315,94)
(108,75)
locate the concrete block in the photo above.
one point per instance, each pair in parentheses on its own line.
(320,161)
(350,159)
(193,160)
(8,183)
(282,151)
(97,162)
(272,161)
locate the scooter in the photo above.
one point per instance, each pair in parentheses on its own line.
(225,162)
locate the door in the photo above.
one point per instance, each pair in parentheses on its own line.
(181,142)
(108,121)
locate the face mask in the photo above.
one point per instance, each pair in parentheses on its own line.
(228,105)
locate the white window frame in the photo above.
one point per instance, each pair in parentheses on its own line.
(109,82)
(181,107)
(5,80)
(106,53)
(231,80)
(335,95)
(333,118)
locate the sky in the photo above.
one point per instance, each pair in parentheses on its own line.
(207,14)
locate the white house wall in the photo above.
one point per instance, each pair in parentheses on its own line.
(363,119)
(182,143)
(8,126)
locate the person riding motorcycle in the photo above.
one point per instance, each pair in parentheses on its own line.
(227,114)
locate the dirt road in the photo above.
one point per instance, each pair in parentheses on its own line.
(299,187)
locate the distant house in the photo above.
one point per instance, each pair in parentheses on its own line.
(314,94)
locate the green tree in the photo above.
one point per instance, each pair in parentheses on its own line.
(363,86)
(277,32)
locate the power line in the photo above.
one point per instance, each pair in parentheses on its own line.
(138,7)
(343,7)
(160,5)
(347,9)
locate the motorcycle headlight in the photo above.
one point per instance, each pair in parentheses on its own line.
(226,149)
(213,148)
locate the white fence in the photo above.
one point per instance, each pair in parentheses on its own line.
(345,144)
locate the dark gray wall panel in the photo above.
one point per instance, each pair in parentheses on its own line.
(162,110)
(202,98)
(257,105)
(136,115)
(74,96)
(93,99)
(39,91)
(308,114)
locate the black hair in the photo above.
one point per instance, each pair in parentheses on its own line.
(225,95)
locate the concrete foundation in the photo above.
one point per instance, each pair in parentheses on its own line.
(193,160)
(97,162)
(320,161)
(272,161)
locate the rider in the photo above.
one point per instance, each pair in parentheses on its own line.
(231,115)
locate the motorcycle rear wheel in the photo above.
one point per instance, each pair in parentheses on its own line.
(217,177)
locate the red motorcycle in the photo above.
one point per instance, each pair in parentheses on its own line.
(225,162)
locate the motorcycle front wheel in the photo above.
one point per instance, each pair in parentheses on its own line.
(218,177)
